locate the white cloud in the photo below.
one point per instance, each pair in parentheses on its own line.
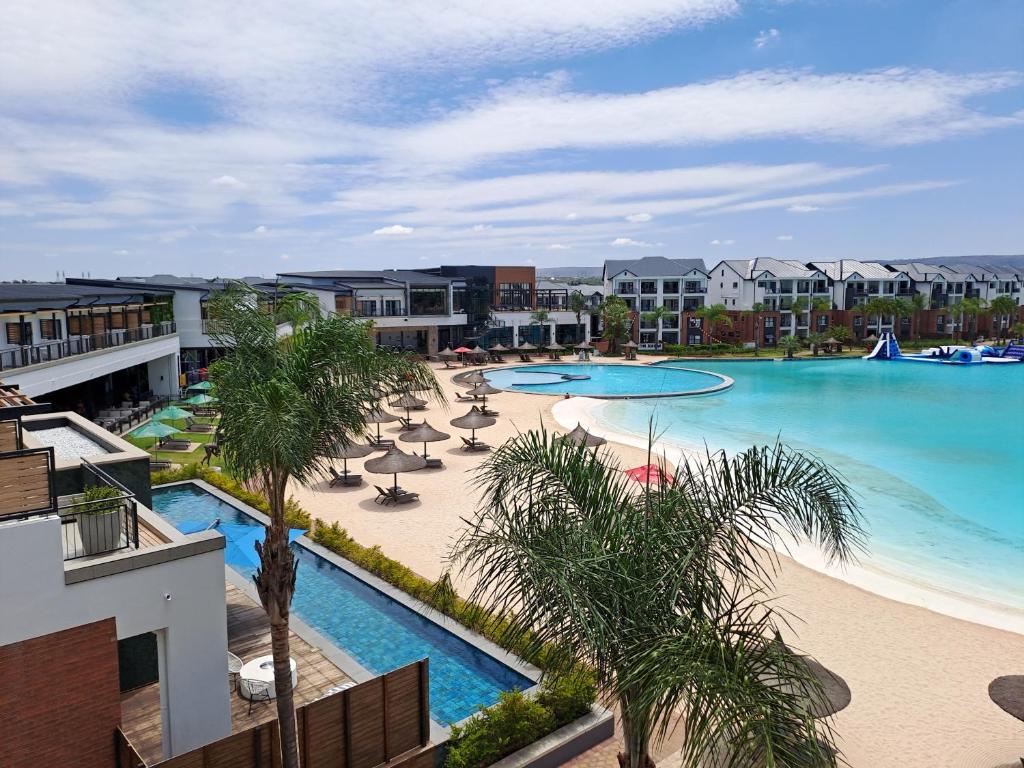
(571,216)
(803,208)
(723,242)
(784,238)
(261,229)
(394,229)
(285,257)
(886,107)
(766,36)
(817,200)
(559,247)
(121,252)
(227,181)
(481,227)
(639,218)
(628,242)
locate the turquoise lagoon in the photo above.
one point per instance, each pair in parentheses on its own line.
(935,453)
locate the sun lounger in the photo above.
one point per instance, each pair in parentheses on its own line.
(406,424)
(347,480)
(191,425)
(400,496)
(434,464)
(174,445)
(156,464)
(488,412)
(474,445)
(381,445)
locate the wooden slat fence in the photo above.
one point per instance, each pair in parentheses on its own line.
(10,435)
(383,720)
(25,482)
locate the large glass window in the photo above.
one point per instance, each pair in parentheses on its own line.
(625,287)
(670,286)
(515,295)
(648,286)
(428,301)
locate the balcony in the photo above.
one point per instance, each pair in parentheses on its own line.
(50,351)
(98,527)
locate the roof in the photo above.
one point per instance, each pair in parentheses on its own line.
(371,276)
(846,268)
(653,266)
(920,271)
(168,283)
(787,269)
(30,296)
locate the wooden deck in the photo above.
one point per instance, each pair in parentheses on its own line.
(248,637)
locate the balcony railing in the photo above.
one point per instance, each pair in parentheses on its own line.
(34,354)
(101,526)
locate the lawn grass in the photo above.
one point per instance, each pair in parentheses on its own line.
(179,457)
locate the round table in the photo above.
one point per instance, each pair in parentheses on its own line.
(261,668)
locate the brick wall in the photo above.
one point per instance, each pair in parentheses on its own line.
(59,698)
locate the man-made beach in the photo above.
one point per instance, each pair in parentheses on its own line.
(919,678)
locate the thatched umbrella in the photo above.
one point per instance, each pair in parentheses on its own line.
(447,354)
(835,693)
(473,421)
(526,347)
(393,462)
(585,348)
(379,416)
(424,433)
(483,390)
(408,402)
(554,348)
(1008,694)
(351,451)
(631,346)
(499,347)
(474,378)
(478,350)
(580,436)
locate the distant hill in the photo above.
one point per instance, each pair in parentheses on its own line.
(563,272)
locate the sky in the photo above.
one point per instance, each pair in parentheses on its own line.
(231,139)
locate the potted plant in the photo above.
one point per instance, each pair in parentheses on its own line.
(101,519)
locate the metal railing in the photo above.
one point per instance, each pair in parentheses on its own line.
(34,354)
(101,526)
(26,480)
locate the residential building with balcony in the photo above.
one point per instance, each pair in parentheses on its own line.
(409,309)
(678,285)
(85,347)
(97,597)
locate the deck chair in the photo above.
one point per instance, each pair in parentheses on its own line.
(474,445)
(401,497)
(158,464)
(434,464)
(191,425)
(382,495)
(348,481)
(383,444)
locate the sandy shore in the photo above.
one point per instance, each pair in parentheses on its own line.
(919,678)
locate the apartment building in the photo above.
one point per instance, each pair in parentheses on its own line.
(678,285)
(97,600)
(83,347)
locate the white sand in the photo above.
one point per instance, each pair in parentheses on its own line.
(919,678)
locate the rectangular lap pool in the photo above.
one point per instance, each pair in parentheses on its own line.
(371,627)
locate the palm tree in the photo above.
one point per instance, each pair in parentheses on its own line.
(967,309)
(713,316)
(1017,331)
(286,403)
(661,589)
(615,317)
(656,315)
(1003,308)
(539,318)
(755,311)
(578,306)
(901,308)
(791,345)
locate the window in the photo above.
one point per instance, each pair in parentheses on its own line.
(785,286)
(670,286)
(626,287)
(693,286)
(429,301)
(14,333)
(735,285)
(515,295)
(723,273)
(392,307)
(769,322)
(648,286)
(646,305)
(49,330)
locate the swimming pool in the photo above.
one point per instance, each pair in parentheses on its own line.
(375,630)
(936,453)
(607,380)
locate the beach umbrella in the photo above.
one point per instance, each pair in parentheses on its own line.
(424,433)
(379,416)
(202,385)
(526,347)
(473,421)
(447,354)
(580,436)
(474,378)
(1008,694)
(649,473)
(351,451)
(583,345)
(834,695)
(483,390)
(393,462)
(408,402)
(499,347)
(172,413)
(201,399)
(478,350)
(554,346)
(462,350)
(157,430)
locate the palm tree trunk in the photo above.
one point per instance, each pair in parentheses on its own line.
(636,745)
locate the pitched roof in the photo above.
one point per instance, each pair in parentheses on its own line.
(653,266)
(369,275)
(29,296)
(846,268)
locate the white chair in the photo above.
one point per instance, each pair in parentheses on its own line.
(259,690)
(234,667)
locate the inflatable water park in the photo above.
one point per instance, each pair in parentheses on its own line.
(888,348)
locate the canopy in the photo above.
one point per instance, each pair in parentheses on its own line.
(424,433)
(478,350)
(584,345)
(203,385)
(351,451)
(1008,694)
(499,347)
(201,399)
(473,420)
(395,461)
(484,388)
(447,353)
(832,341)
(649,473)
(630,345)
(474,378)
(171,413)
(527,346)
(380,416)
(463,351)
(408,401)
(582,437)
(155,429)
(554,346)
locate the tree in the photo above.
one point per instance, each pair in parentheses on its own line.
(663,590)
(815,339)
(615,319)
(791,344)
(578,306)
(713,316)
(656,315)
(967,310)
(878,308)
(841,334)
(1003,309)
(756,310)
(286,404)
(901,308)
(1017,331)
(539,318)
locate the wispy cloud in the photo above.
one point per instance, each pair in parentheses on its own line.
(394,229)
(723,242)
(766,36)
(629,242)
(639,218)
(784,238)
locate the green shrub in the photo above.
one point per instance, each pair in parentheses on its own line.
(511,724)
(569,696)
(99,496)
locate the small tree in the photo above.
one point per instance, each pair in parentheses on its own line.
(713,316)
(791,344)
(756,310)
(1017,331)
(615,318)
(578,306)
(656,315)
(1003,308)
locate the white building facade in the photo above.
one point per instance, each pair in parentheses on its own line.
(646,284)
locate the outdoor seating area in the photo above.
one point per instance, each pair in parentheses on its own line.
(248,646)
(128,413)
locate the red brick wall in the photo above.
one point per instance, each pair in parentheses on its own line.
(59,698)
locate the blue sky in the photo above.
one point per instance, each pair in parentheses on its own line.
(214,139)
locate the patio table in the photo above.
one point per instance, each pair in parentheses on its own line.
(261,668)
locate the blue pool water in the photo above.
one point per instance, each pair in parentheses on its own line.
(369,626)
(597,380)
(935,452)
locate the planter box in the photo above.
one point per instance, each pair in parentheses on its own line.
(562,745)
(101,531)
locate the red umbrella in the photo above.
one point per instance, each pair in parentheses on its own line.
(463,350)
(650,473)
